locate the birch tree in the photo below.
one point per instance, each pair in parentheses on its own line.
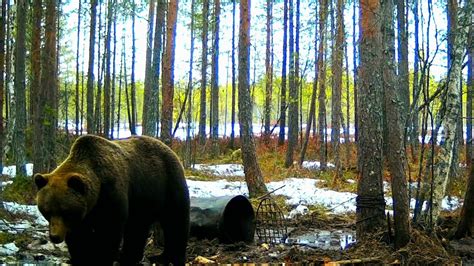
(444,158)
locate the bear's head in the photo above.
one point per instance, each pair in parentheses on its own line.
(62,198)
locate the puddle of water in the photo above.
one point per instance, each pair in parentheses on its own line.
(324,239)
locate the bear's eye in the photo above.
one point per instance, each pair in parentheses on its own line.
(40,181)
(75,183)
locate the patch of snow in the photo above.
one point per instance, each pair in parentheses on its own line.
(31,210)
(314,165)
(8,249)
(11,170)
(299,211)
(235,170)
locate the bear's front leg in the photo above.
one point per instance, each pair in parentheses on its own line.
(94,247)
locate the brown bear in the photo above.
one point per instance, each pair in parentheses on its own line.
(107,194)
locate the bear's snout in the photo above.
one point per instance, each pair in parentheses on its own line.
(57,230)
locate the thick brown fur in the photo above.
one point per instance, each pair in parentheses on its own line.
(107,194)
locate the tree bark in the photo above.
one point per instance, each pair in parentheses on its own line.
(90,69)
(19,137)
(107,79)
(444,158)
(187,154)
(133,92)
(466,222)
(36,101)
(78,42)
(268,73)
(3,24)
(148,115)
(168,73)
(234,87)
(283,104)
(336,113)
(215,80)
(202,114)
(322,125)
(470,95)
(370,199)
(253,174)
(157,50)
(395,120)
(293,95)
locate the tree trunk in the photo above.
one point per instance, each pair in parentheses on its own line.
(133,92)
(416,88)
(470,92)
(312,105)
(157,49)
(322,125)
(202,113)
(395,120)
(35,86)
(90,70)
(107,79)
(466,222)
(336,113)
(113,92)
(444,158)
(78,42)
(187,153)
(3,24)
(268,74)
(283,104)
(49,84)
(356,83)
(293,94)
(370,199)
(20,88)
(148,116)
(168,73)
(215,79)
(253,175)
(234,87)
(402,45)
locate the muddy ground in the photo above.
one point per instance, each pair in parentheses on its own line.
(422,249)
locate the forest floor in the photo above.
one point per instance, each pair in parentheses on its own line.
(324,234)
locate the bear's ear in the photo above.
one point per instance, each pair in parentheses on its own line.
(75,183)
(40,181)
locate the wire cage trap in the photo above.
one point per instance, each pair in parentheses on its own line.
(271,225)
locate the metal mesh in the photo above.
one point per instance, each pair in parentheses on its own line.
(271,226)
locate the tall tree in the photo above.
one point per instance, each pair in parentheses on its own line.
(322,125)
(268,72)
(312,105)
(370,200)
(395,120)
(168,73)
(133,86)
(108,79)
(49,87)
(444,158)
(336,113)
(90,69)
(293,93)
(234,89)
(470,95)
(202,113)
(2,73)
(416,66)
(20,87)
(402,45)
(35,84)
(215,79)
(78,42)
(187,154)
(253,174)
(157,49)
(355,71)
(283,104)
(148,116)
